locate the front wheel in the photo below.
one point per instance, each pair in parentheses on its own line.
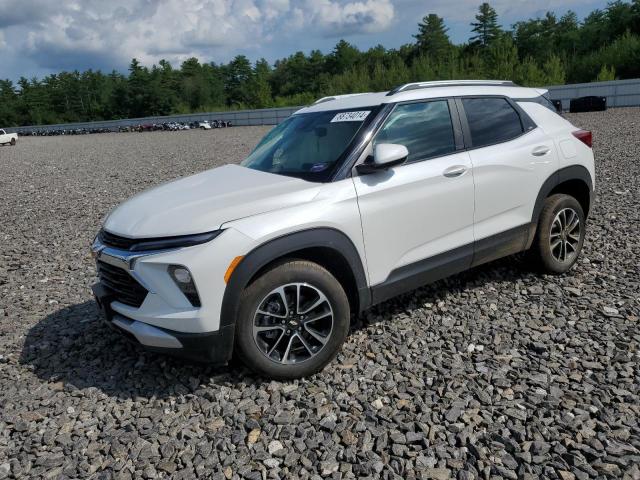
(292,320)
(13,142)
(560,234)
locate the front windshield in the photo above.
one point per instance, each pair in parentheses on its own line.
(307,145)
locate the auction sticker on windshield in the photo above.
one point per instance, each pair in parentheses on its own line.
(351,116)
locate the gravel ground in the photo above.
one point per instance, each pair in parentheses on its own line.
(494,373)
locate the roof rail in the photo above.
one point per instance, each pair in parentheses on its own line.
(450,83)
(335,97)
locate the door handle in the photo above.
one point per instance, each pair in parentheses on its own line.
(540,151)
(454,171)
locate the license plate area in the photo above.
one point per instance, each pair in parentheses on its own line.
(103,298)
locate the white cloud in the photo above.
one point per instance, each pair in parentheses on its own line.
(465,10)
(68,34)
(100,32)
(337,18)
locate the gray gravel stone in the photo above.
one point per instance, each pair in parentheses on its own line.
(550,388)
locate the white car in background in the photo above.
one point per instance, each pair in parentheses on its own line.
(8,138)
(349,202)
(205,125)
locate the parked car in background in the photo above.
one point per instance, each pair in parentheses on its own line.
(8,138)
(204,125)
(588,104)
(267,258)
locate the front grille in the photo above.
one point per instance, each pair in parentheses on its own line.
(117,241)
(122,285)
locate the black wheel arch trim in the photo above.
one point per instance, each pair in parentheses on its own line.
(573,172)
(322,237)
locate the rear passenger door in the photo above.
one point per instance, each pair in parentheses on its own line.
(424,207)
(511,159)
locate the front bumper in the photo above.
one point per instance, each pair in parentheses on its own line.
(211,347)
(158,315)
(155,299)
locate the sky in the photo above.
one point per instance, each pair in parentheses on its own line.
(39,37)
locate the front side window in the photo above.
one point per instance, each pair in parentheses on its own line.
(491,120)
(424,128)
(308,145)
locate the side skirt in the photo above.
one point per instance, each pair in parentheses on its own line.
(503,244)
(429,270)
(414,275)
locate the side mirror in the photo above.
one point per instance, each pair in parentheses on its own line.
(385,156)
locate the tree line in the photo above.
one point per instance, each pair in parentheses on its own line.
(542,51)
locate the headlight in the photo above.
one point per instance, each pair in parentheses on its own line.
(182,278)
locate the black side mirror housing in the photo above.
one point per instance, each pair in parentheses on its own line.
(369,166)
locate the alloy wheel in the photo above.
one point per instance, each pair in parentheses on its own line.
(293,323)
(564,238)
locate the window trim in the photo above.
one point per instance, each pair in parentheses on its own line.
(359,144)
(357,156)
(458,141)
(526,123)
(461,131)
(332,174)
(549,105)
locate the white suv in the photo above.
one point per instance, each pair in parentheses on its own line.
(348,202)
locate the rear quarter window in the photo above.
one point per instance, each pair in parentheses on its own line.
(491,120)
(543,100)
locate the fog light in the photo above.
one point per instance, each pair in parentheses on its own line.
(182,278)
(182,275)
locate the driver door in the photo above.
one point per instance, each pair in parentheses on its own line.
(417,218)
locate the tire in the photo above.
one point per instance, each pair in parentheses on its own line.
(557,244)
(296,346)
(13,142)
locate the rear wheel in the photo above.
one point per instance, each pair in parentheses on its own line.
(560,234)
(292,320)
(13,141)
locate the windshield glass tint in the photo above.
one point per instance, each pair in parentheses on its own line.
(307,145)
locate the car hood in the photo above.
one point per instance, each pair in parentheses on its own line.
(203,202)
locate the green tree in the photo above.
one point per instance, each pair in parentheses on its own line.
(118,97)
(259,85)
(194,88)
(293,75)
(343,57)
(8,103)
(528,73)
(237,75)
(485,27)
(536,38)
(432,38)
(138,92)
(606,74)
(554,72)
(502,58)
(568,34)
(539,51)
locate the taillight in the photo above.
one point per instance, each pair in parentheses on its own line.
(584,136)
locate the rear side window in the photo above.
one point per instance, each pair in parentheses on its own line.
(491,120)
(424,128)
(543,100)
